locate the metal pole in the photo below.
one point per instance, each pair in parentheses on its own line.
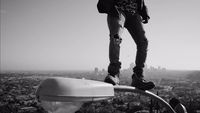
(122,88)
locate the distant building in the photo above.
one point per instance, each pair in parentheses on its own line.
(96,70)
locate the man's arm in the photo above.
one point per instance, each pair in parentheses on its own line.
(144,13)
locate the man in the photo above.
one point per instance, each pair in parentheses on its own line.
(129,14)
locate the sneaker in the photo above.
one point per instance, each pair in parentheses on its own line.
(141,84)
(114,80)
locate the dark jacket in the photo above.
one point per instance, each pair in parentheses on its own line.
(108,7)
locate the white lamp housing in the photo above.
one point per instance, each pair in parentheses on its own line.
(66,95)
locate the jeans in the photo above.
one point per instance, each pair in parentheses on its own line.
(133,24)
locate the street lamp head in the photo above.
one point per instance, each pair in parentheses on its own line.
(68,94)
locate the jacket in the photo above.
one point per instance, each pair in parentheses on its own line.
(108,7)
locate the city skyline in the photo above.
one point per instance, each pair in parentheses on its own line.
(72,35)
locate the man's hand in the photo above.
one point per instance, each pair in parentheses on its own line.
(145,19)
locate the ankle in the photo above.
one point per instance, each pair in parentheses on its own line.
(138,72)
(139,76)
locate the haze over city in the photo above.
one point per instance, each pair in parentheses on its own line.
(72,35)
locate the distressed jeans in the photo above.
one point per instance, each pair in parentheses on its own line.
(134,26)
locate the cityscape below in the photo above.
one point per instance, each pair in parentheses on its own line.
(17,90)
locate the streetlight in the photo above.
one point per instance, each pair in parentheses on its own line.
(66,95)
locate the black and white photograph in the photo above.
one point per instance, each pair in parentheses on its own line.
(99,56)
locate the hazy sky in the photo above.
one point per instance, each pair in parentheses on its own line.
(72,35)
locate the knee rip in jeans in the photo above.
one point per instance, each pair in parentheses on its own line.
(116,38)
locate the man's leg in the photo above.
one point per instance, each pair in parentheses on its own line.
(135,28)
(114,52)
(116,26)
